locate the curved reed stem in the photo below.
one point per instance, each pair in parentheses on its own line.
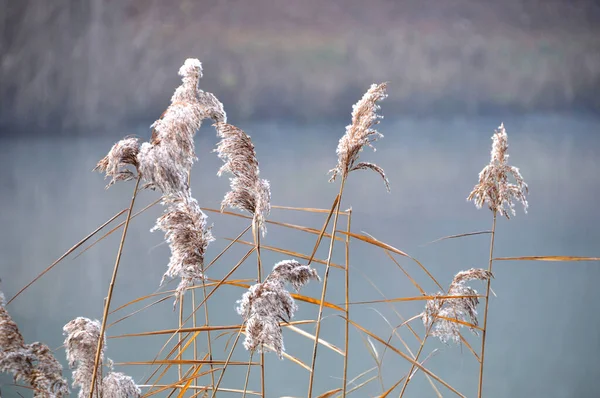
(485,314)
(111,288)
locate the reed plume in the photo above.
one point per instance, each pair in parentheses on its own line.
(166,160)
(493,187)
(165,163)
(248,191)
(440,312)
(188,235)
(360,133)
(32,363)
(81,342)
(265,304)
(116,164)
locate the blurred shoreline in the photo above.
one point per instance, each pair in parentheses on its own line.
(77,66)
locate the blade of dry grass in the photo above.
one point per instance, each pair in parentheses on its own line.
(115,229)
(457,236)
(406,357)
(71,250)
(330,393)
(321,341)
(290,253)
(200,329)
(306,209)
(546,258)
(374,241)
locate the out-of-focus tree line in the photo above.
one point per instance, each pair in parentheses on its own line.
(100,63)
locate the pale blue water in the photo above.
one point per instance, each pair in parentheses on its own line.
(544,333)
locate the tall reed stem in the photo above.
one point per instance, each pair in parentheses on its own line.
(209,340)
(324,291)
(485,314)
(256,235)
(179,339)
(347,302)
(111,288)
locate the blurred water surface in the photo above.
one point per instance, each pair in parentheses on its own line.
(544,332)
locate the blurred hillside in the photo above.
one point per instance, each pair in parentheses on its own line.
(100,63)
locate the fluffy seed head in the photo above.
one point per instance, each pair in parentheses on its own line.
(32,363)
(360,134)
(81,343)
(267,304)
(440,313)
(493,187)
(118,160)
(248,191)
(188,235)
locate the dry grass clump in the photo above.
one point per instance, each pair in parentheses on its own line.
(266,304)
(32,363)
(440,313)
(81,342)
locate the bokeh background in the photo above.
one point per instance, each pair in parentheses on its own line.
(76,76)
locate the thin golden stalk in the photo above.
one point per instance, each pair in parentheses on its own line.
(247,375)
(324,290)
(412,368)
(180,324)
(71,250)
(485,314)
(237,338)
(256,235)
(347,302)
(195,346)
(111,288)
(209,340)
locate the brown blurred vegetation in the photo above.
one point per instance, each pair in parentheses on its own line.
(99,63)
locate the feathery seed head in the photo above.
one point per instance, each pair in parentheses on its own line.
(248,191)
(493,187)
(360,134)
(440,312)
(32,363)
(119,385)
(121,155)
(81,344)
(188,235)
(266,304)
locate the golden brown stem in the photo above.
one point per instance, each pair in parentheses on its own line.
(209,340)
(347,303)
(324,290)
(180,324)
(256,234)
(485,314)
(111,288)
(248,375)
